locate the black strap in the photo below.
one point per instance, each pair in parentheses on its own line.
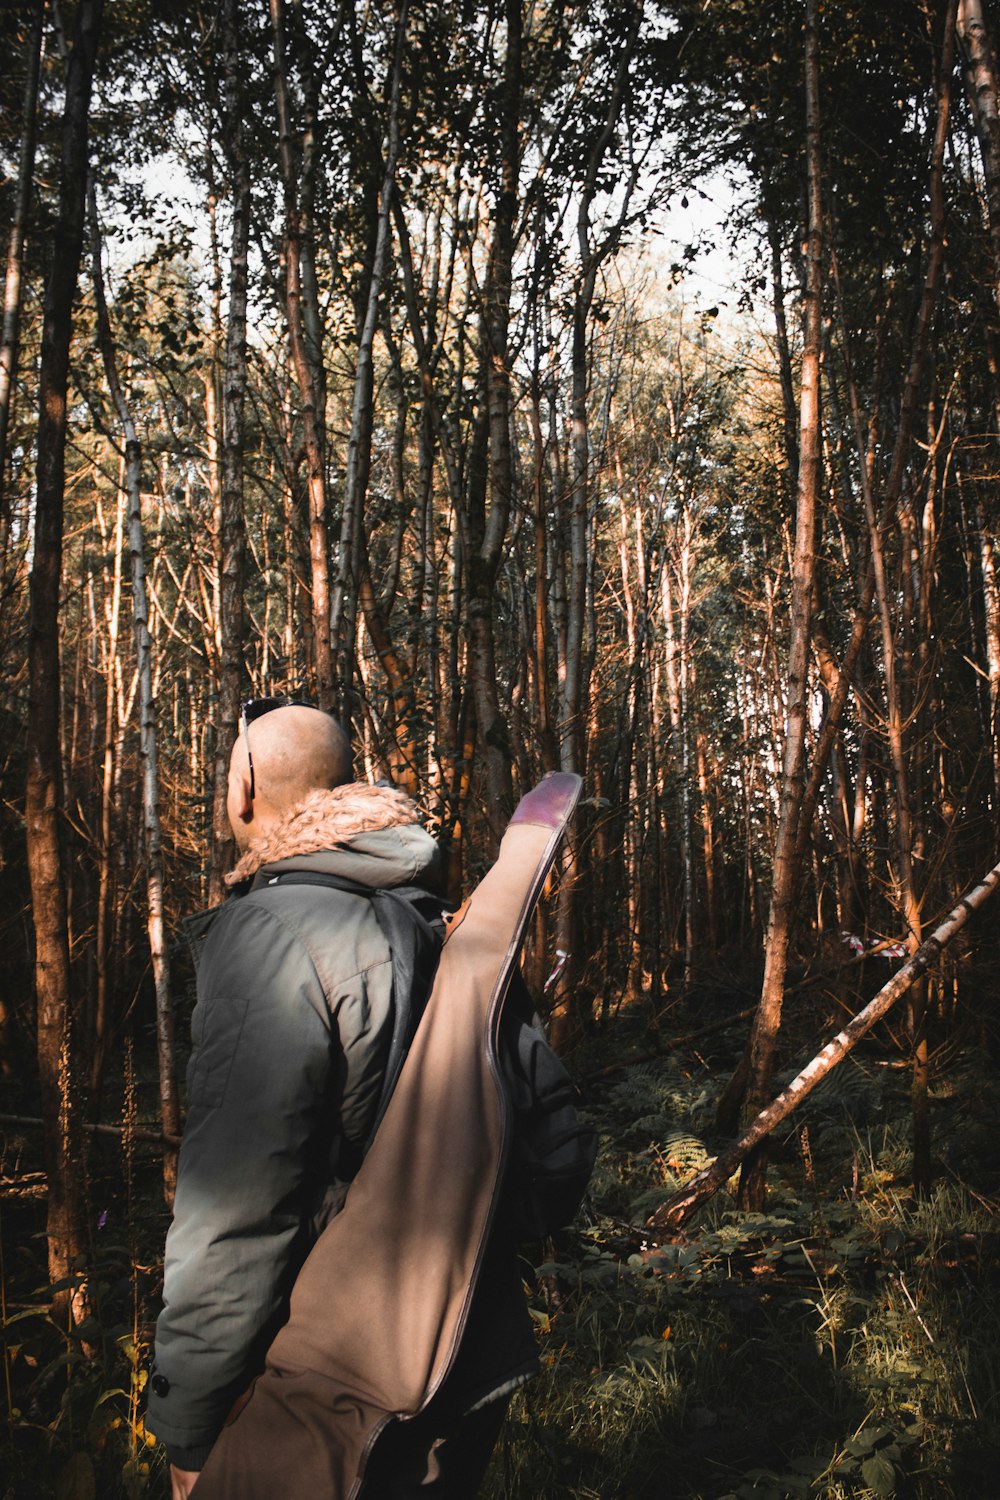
(412,923)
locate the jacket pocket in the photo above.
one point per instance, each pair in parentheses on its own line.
(218,1031)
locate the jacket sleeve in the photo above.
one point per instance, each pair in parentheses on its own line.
(257,1082)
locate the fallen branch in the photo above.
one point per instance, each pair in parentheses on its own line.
(668,1046)
(673,1214)
(138,1134)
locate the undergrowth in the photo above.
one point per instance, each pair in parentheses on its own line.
(844,1345)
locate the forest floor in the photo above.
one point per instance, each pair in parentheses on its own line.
(846,1343)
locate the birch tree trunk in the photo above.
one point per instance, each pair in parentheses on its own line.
(981,78)
(43,792)
(10,333)
(764,1038)
(170,1117)
(677,1210)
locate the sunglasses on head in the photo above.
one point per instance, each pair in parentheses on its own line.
(256,708)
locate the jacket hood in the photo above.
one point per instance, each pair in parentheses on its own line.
(370,833)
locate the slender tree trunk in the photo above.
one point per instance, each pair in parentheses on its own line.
(352,546)
(784,883)
(687,819)
(43,793)
(170,1117)
(10,333)
(575,675)
(897,712)
(98,1039)
(991,622)
(310,389)
(790,424)
(232,537)
(676,572)
(981,78)
(488,525)
(708,840)
(546,736)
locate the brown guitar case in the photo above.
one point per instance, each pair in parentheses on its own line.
(378,1310)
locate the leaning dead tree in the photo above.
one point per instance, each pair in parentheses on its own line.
(674,1214)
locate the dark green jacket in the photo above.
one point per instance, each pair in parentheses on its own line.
(290,1034)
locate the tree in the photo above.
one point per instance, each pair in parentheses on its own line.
(232,527)
(10,334)
(43,792)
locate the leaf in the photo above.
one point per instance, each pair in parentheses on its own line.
(109,1396)
(77,1481)
(867,1440)
(879,1475)
(65,1284)
(88,1331)
(29,1312)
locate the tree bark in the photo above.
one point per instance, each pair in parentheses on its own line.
(232,526)
(98,1039)
(784,891)
(10,333)
(491,465)
(310,387)
(43,792)
(980,68)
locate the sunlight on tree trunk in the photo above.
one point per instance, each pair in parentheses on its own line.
(784,892)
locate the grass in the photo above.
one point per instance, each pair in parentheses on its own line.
(846,1343)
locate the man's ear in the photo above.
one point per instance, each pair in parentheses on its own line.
(244,802)
(239,800)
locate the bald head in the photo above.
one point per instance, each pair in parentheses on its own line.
(296,750)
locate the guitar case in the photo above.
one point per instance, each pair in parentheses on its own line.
(378,1310)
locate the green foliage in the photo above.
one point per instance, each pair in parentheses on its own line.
(74,1394)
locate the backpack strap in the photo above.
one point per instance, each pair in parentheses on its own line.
(412,923)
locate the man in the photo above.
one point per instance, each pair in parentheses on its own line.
(291,1034)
